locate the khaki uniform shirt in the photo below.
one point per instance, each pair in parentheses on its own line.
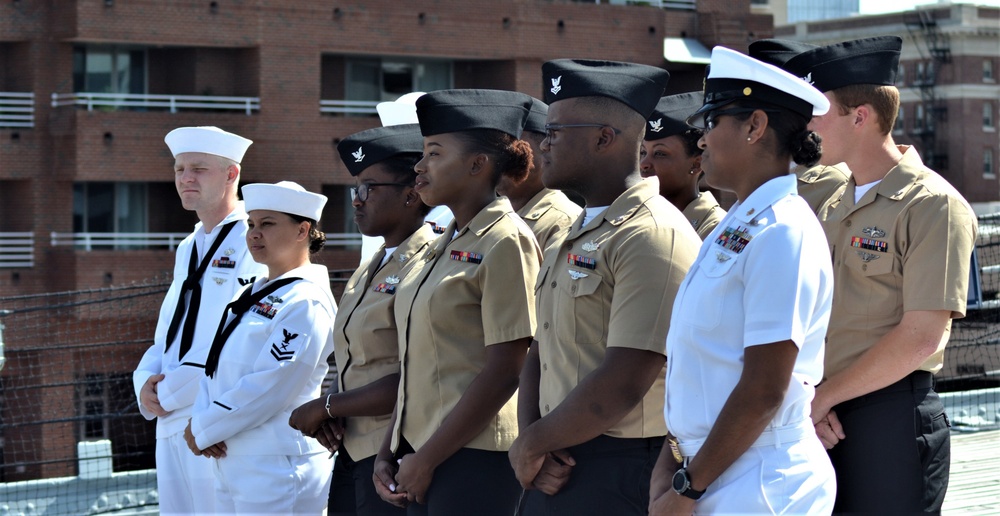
(821,185)
(905,246)
(366,348)
(463,295)
(704,213)
(549,213)
(612,284)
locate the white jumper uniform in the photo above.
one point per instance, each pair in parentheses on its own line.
(273,361)
(762,276)
(184,481)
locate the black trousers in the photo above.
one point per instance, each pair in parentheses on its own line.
(352,490)
(897,454)
(611,476)
(470,482)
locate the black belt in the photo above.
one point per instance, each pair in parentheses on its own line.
(913,382)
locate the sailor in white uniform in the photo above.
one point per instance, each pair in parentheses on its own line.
(267,358)
(212,265)
(746,339)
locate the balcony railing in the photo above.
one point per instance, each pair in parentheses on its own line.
(17,250)
(121,241)
(17,109)
(341,107)
(172,103)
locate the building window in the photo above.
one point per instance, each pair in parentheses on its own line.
(988,70)
(901,75)
(94,402)
(919,79)
(988,171)
(988,116)
(104,207)
(918,118)
(900,126)
(929,121)
(109,69)
(385,79)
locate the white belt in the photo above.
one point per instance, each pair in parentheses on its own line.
(773,436)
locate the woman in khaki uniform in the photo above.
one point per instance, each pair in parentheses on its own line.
(670,152)
(465,315)
(354,416)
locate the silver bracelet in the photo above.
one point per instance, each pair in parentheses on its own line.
(328,405)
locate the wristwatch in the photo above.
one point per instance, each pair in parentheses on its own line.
(682,485)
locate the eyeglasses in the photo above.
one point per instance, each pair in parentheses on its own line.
(361,192)
(550,129)
(709,121)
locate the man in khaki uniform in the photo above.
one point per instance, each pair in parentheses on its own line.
(901,239)
(591,392)
(547,212)
(819,185)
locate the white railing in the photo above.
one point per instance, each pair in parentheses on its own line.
(17,109)
(91,241)
(366,107)
(173,103)
(17,249)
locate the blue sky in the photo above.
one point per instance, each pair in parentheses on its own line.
(888,6)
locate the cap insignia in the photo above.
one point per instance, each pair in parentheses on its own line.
(359,155)
(747,91)
(655,125)
(555,85)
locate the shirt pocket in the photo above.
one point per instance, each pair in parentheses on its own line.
(874,289)
(590,308)
(706,293)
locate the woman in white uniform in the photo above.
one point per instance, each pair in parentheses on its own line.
(267,358)
(745,346)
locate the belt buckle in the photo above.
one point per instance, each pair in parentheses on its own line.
(675,449)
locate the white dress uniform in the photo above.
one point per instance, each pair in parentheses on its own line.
(273,361)
(763,275)
(184,481)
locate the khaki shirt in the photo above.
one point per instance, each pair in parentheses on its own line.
(704,213)
(612,284)
(905,246)
(549,213)
(366,348)
(463,295)
(822,185)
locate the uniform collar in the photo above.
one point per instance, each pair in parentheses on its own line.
(623,208)
(763,197)
(701,206)
(903,176)
(813,174)
(238,213)
(414,243)
(483,220)
(537,206)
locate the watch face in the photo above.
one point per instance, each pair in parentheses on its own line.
(680,481)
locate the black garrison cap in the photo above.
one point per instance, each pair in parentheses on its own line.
(366,148)
(637,86)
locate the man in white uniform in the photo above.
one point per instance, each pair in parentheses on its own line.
(211,266)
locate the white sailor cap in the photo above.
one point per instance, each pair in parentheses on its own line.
(733,76)
(207,139)
(286,197)
(400,111)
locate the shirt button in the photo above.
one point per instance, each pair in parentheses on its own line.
(546,326)
(573,289)
(864,266)
(848,223)
(553,284)
(546,407)
(545,367)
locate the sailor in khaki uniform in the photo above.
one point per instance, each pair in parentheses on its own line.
(670,152)
(591,395)
(547,212)
(745,348)
(268,357)
(366,351)
(901,239)
(465,315)
(820,185)
(212,265)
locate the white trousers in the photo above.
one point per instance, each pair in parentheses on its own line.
(273,484)
(184,480)
(790,478)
